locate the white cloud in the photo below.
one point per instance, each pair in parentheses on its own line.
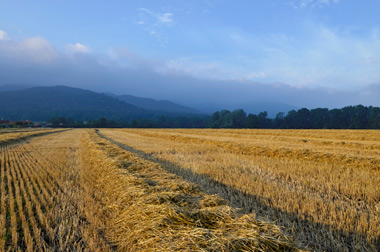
(319,56)
(312,3)
(126,58)
(165,18)
(323,56)
(146,10)
(2,35)
(193,66)
(36,49)
(154,23)
(77,48)
(147,16)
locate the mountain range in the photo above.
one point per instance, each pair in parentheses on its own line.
(20,102)
(154,105)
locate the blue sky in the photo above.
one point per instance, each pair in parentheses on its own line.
(328,45)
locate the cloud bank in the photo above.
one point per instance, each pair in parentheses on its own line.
(37,62)
(323,57)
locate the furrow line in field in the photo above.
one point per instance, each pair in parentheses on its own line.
(43,157)
(11,203)
(33,173)
(32,223)
(309,217)
(26,241)
(41,204)
(46,191)
(345,135)
(25,237)
(26,191)
(21,137)
(3,197)
(156,190)
(37,165)
(280,153)
(236,198)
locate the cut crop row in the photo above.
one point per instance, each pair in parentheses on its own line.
(328,202)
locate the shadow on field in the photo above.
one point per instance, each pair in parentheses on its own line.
(313,236)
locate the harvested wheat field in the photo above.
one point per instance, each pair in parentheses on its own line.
(322,187)
(65,190)
(41,206)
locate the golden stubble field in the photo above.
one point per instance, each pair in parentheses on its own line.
(72,190)
(322,186)
(189,190)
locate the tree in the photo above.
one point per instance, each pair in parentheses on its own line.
(374,118)
(253,121)
(279,121)
(134,124)
(70,122)
(102,122)
(239,118)
(303,119)
(57,121)
(360,117)
(161,122)
(319,118)
(215,120)
(264,122)
(225,119)
(290,120)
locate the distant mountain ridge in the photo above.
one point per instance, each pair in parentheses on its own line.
(154,105)
(43,103)
(175,109)
(15,87)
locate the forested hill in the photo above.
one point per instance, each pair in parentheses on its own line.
(42,103)
(154,105)
(50,103)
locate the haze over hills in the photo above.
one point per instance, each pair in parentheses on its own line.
(19,102)
(254,106)
(15,87)
(172,108)
(145,103)
(154,105)
(42,103)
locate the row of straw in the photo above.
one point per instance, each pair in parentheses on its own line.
(148,209)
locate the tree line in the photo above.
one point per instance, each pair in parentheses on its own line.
(350,117)
(156,122)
